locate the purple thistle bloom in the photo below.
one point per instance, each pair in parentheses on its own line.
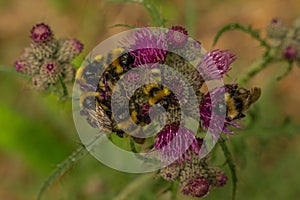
(215,64)
(20,66)
(196,187)
(50,67)
(174,143)
(68,50)
(221,179)
(177,36)
(213,114)
(148,47)
(77,46)
(276,29)
(290,52)
(41,33)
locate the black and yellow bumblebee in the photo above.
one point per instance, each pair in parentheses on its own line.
(97,81)
(239,100)
(98,78)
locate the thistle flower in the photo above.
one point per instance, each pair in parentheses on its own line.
(148,47)
(276,29)
(172,142)
(197,177)
(68,50)
(22,66)
(41,33)
(182,66)
(43,42)
(290,52)
(217,177)
(215,64)
(177,37)
(39,83)
(196,187)
(50,71)
(68,72)
(45,61)
(170,173)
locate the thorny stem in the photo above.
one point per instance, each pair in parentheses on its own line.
(64,166)
(64,87)
(247,29)
(288,70)
(231,166)
(255,68)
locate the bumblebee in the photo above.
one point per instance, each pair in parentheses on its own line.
(96,93)
(238,101)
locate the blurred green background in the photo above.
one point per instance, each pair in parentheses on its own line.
(37,131)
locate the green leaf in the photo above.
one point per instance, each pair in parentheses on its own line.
(78,60)
(231,166)
(12,71)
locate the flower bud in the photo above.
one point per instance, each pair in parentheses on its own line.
(39,83)
(50,71)
(68,50)
(217,177)
(41,33)
(68,72)
(177,37)
(290,52)
(21,66)
(170,173)
(196,187)
(276,29)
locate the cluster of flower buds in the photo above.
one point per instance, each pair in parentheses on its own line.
(285,39)
(196,178)
(48,60)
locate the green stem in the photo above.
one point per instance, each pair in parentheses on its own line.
(288,70)
(231,166)
(255,68)
(134,186)
(64,87)
(64,166)
(174,190)
(247,29)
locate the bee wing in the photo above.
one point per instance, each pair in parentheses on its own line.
(254,94)
(102,119)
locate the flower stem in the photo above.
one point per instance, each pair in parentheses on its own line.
(64,88)
(246,29)
(231,166)
(288,70)
(174,190)
(64,166)
(255,68)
